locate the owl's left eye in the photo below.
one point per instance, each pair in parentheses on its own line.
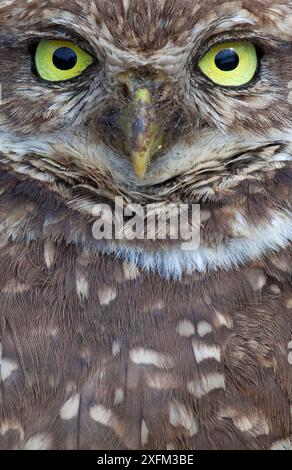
(60,60)
(230,64)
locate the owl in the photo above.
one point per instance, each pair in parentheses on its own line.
(128,342)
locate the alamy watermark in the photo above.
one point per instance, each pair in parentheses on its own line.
(122,221)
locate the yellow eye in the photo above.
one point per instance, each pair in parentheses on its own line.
(60,60)
(230,64)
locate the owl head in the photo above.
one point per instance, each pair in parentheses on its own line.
(156,100)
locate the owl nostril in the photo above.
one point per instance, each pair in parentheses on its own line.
(125,90)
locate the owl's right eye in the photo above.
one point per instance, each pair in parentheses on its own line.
(60,60)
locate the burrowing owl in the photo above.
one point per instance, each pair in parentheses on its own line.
(138,343)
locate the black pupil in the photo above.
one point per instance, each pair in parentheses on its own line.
(227,60)
(65,58)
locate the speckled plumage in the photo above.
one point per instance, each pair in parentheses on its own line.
(132,344)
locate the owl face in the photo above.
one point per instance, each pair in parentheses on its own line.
(179,100)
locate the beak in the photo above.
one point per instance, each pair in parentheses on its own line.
(144,132)
(140,123)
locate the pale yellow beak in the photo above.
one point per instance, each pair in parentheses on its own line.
(145,132)
(142,129)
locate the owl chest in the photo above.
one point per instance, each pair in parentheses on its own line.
(135,360)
